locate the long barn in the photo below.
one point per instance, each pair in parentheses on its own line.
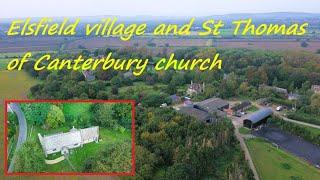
(257,118)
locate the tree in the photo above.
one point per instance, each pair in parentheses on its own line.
(146,163)
(35,113)
(177,80)
(171,89)
(315,103)
(55,117)
(122,112)
(13,122)
(104,115)
(114,90)
(113,158)
(275,82)
(155,99)
(244,89)
(102,95)
(209,90)
(228,88)
(29,158)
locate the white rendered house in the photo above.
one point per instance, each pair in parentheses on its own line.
(62,142)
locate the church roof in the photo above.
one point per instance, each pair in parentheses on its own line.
(74,136)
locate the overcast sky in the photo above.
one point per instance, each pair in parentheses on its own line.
(40,8)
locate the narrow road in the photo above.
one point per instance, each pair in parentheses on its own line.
(236,123)
(295,121)
(22,131)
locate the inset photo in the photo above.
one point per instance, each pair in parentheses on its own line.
(69,137)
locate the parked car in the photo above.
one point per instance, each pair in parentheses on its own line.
(279,108)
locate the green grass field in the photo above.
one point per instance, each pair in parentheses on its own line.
(244,130)
(14,85)
(3,63)
(76,109)
(276,164)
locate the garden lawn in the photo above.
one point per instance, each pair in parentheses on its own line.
(276,164)
(244,130)
(76,109)
(79,155)
(107,137)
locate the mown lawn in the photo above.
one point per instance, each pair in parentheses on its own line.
(76,109)
(244,130)
(79,155)
(276,164)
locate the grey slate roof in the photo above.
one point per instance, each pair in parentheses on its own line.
(212,105)
(74,136)
(242,105)
(259,115)
(196,113)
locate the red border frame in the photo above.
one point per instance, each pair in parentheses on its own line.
(133,160)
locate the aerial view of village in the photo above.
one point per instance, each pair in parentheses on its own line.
(69,137)
(258,117)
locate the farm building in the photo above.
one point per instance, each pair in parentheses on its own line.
(196,113)
(208,110)
(293,96)
(257,118)
(175,98)
(241,107)
(212,105)
(62,142)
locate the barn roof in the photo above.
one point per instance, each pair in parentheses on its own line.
(241,106)
(212,104)
(259,115)
(196,113)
